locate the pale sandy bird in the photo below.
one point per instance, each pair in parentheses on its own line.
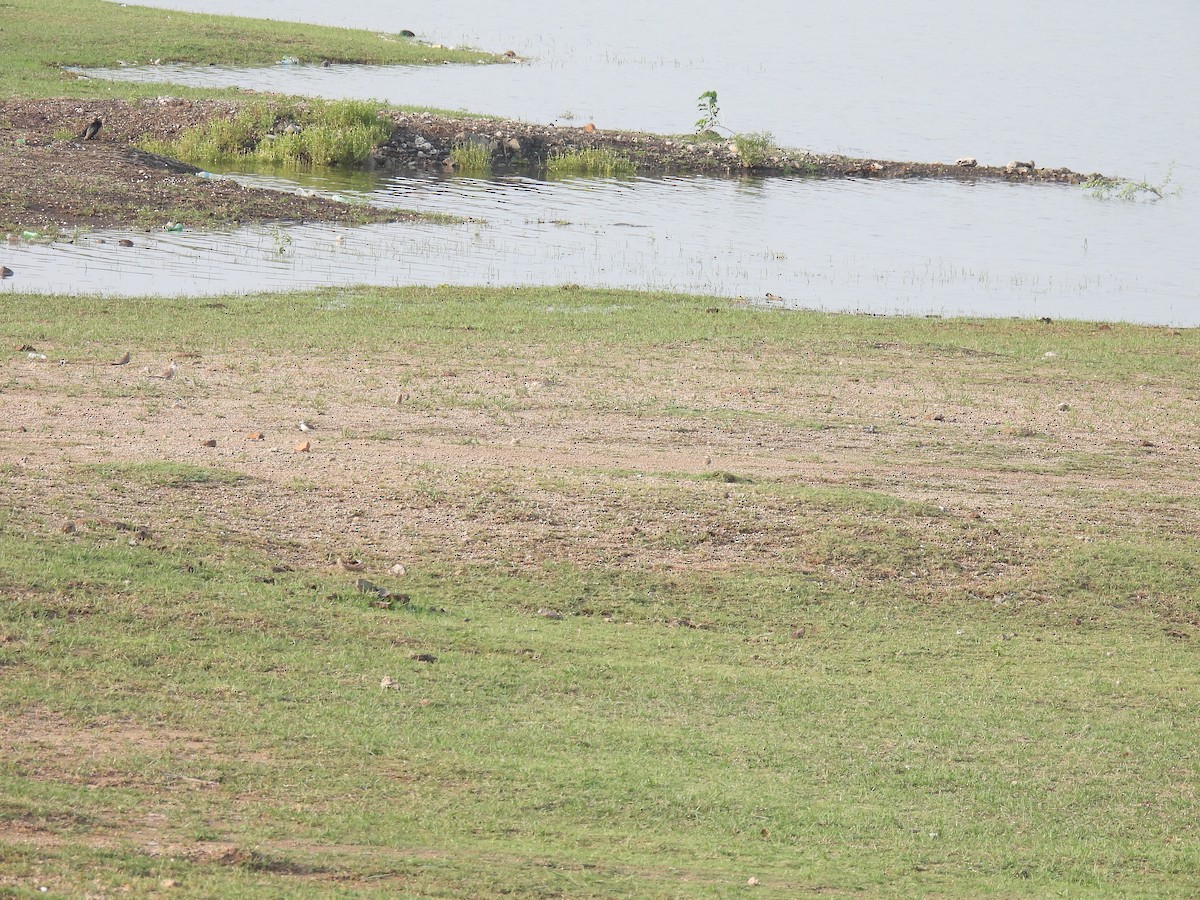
(168,372)
(304,426)
(123,361)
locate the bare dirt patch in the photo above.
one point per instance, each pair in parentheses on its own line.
(663,463)
(97,754)
(65,739)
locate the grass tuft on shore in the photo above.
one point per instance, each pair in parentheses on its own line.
(284,135)
(472,159)
(589,163)
(753,147)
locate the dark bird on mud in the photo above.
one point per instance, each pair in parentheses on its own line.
(90,132)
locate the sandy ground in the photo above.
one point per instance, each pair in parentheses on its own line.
(632,462)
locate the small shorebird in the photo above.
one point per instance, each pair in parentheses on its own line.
(90,132)
(123,361)
(168,372)
(304,426)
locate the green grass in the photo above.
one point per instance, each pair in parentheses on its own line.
(753,147)
(590,163)
(164,474)
(827,679)
(372,319)
(285,135)
(1105,188)
(472,160)
(39,38)
(885,751)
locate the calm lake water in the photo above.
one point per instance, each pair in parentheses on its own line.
(1090,86)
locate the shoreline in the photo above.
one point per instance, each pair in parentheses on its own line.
(524,145)
(50,180)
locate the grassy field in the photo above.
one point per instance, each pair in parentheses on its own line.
(697,598)
(579,593)
(39,38)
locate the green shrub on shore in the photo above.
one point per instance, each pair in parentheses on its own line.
(319,133)
(753,147)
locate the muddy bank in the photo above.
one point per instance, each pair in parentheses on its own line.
(50,179)
(427,141)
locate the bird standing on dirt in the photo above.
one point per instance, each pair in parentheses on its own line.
(90,132)
(168,372)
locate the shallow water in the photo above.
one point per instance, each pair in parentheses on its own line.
(1087,86)
(802,240)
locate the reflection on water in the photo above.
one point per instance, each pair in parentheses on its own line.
(983,249)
